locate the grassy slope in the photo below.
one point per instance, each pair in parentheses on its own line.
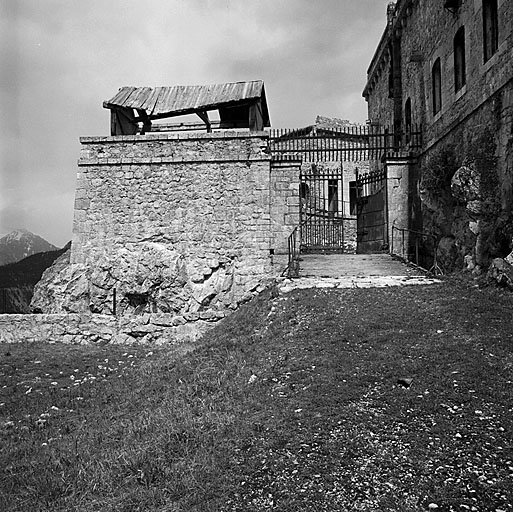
(321,425)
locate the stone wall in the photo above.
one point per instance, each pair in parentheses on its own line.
(426,32)
(187,191)
(284,205)
(467,146)
(76,328)
(181,224)
(466,186)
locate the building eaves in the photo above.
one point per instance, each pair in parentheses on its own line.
(394,24)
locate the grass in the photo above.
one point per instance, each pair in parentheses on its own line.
(291,404)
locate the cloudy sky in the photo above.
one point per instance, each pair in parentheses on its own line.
(59,59)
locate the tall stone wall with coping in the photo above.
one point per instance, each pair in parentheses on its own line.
(189,191)
(174,224)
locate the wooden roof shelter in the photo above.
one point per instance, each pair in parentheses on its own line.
(240,105)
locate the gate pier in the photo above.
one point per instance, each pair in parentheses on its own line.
(401,214)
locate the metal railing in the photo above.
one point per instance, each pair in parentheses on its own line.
(341,143)
(294,250)
(411,248)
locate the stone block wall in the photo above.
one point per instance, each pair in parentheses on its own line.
(168,223)
(74,328)
(469,138)
(187,191)
(483,79)
(426,31)
(284,205)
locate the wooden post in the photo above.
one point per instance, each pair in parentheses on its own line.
(203,115)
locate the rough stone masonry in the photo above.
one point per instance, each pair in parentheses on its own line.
(186,225)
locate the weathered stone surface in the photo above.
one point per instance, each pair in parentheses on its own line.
(178,226)
(469,262)
(509,257)
(90,329)
(501,272)
(63,287)
(147,278)
(447,252)
(466,185)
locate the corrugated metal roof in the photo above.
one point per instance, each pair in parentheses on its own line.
(180,99)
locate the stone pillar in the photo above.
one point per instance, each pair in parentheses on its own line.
(284,203)
(399,200)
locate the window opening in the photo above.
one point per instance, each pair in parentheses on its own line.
(407,119)
(459,60)
(437,86)
(490,28)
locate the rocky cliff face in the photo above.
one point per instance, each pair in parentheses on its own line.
(465,195)
(145,278)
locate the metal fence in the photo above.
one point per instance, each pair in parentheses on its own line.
(344,143)
(407,244)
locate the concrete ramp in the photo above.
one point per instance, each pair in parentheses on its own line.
(354,271)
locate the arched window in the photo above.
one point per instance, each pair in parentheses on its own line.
(490,28)
(436,76)
(459,60)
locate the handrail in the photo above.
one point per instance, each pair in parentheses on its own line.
(294,250)
(435,268)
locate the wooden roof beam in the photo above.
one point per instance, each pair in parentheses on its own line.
(146,123)
(203,115)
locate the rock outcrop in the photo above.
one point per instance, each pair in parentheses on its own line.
(501,272)
(146,278)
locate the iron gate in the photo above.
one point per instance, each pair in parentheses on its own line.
(324,215)
(371,235)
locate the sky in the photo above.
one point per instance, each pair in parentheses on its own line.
(60,59)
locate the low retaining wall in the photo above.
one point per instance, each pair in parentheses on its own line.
(89,329)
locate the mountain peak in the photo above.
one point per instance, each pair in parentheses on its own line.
(17,234)
(20,243)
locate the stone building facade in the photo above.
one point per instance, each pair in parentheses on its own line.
(448,66)
(180,226)
(173,230)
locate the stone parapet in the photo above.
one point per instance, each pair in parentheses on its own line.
(164,148)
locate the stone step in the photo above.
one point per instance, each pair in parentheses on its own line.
(352,265)
(354,271)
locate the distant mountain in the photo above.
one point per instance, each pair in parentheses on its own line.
(17,280)
(21,243)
